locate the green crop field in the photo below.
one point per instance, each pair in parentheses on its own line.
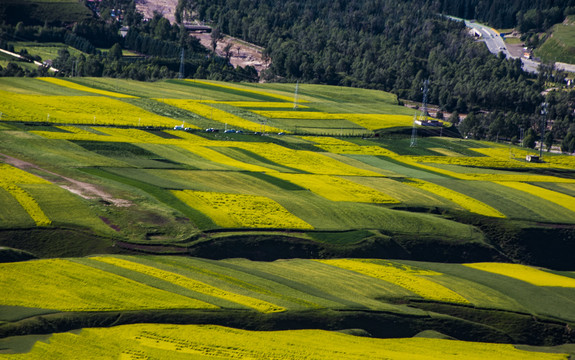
(47,51)
(560,45)
(336,224)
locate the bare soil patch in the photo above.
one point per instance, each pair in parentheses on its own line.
(164,7)
(80,188)
(242,53)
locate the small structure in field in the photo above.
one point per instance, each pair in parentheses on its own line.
(532,158)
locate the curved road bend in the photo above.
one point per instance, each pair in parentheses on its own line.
(496,44)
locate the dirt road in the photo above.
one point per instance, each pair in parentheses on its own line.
(80,188)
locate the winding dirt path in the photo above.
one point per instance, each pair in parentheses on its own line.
(80,188)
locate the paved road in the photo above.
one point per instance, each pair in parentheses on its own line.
(496,44)
(21,57)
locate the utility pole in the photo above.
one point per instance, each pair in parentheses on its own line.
(422,116)
(543,126)
(181,75)
(295,96)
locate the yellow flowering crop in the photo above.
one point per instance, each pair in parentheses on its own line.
(405,276)
(86,110)
(307,161)
(12,175)
(181,342)
(29,204)
(380,121)
(213,155)
(257,92)
(193,284)
(476,161)
(525,273)
(337,146)
(135,136)
(68,286)
(518,156)
(368,121)
(241,210)
(71,85)
(257,104)
(555,197)
(224,117)
(337,189)
(294,114)
(466,202)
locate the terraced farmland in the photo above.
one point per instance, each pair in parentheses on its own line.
(262,295)
(452,238)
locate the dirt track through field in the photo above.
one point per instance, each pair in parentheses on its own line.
(80,188)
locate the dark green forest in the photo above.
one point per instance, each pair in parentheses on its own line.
(381,44)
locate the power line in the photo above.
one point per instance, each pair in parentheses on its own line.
(181,75)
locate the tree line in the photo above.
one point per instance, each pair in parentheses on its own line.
(380,44)
(533,15)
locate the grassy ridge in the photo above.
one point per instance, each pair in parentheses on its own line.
(369,294)
(195,341)
(560,45)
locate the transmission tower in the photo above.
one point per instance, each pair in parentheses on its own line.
(422,116)
(181,75)
(413,142)
(295,96)
(543,126)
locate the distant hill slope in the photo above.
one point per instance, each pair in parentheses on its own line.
(560,44)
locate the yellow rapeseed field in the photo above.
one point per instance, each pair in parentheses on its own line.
(517,156)
(71,85)
(192,284)
(338,146)
(466,202)
(337,189)
(410,278)
(10,178)
(294,114)
(525,273)
(240,210)
(558,198)
(224,117)
(87,110)
(12,175)
(380,121)
(308,161)
(368,121)
(184,342)
(249,91)
(68,286)
(256,104)
(29,204)
(212,155)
